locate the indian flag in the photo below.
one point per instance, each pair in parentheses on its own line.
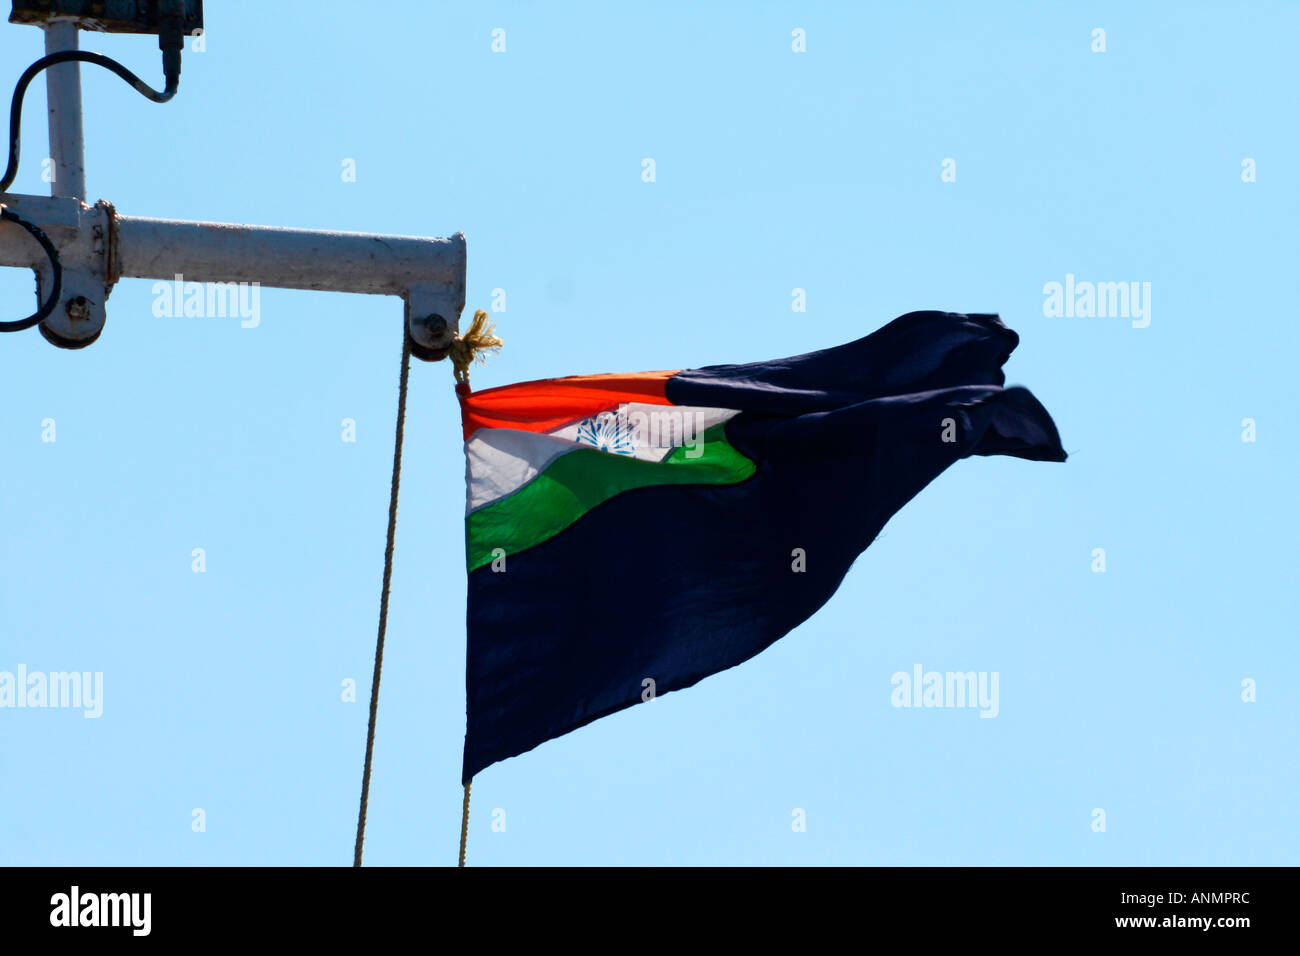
(630,534)
(541,455)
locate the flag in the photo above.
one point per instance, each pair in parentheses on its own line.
(628,535)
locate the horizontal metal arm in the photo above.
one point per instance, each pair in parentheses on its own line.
(96,247)
(286,258)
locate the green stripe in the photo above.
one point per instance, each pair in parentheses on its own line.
(578,481)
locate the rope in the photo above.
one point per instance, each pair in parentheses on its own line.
(473,346)
(464,818)
(467,349)
(383,596)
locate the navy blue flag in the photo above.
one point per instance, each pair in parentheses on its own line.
(730,501)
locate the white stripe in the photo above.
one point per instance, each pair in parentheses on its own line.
(500,461)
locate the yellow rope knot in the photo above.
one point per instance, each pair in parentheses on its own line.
(473,346)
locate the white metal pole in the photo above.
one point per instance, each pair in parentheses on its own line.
(63,95)
(286,258)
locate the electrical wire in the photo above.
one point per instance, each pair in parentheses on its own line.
(56,269)
(172,75)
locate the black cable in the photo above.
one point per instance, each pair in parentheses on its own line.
(171,42)
(171,65)
(55,268)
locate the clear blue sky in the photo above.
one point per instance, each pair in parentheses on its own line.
(775,170)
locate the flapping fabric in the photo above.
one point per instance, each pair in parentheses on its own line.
(665,526)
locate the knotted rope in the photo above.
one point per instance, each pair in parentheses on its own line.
(473,346)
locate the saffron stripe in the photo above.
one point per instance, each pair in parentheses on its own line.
(545,405)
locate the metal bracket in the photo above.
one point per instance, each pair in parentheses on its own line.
(81,234)
(433,317)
